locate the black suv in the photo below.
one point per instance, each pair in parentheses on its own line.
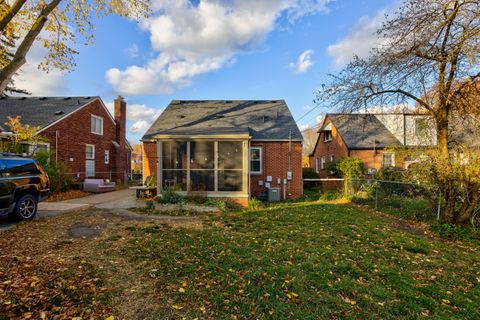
(23,183)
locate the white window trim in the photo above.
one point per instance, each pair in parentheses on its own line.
(101,127)
(323,162)
(107,156)
(332,158)
(393,158)
(261,159)
(316,165)
(325,136)
(93,151)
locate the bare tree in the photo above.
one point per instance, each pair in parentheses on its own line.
(429,57)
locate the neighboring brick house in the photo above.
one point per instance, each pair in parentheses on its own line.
(371,138)
(80,130)
(225,149)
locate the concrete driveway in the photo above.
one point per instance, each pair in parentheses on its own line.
(122,199)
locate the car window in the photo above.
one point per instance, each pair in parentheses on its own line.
(3,170)
(20,167)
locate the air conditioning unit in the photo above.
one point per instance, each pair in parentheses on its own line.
(274,194)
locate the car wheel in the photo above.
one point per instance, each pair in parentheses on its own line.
(26,207)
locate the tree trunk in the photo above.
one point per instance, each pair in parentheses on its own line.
(469,205)
(19,57)
(449,190)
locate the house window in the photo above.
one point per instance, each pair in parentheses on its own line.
(388,160)
(324,161)
(107,156)
(316,165)
(421,125)
(256,160)
(97,125)
(327,135)
(90,151)
(332,158)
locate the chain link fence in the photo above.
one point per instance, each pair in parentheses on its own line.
(407,200)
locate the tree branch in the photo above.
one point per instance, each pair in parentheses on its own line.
(403,92)
(11,13)
(19,57)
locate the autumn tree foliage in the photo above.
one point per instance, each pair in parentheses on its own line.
(429,57)
(58,25)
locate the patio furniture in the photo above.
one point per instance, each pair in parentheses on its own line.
(148,190)
(98,186)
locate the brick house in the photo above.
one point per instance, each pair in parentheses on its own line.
(225,149)
(371,138)
(81,132)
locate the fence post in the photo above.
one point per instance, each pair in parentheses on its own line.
(376,194)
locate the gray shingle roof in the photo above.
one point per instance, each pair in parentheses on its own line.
(263,119)
(360,130)
(40,111)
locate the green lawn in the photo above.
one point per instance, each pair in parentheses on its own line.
(303,261)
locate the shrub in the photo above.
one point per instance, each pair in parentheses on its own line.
(351,168)
(149,206)
(330,195)
(197,198)
(56,170)
(170,196)
(390,174)
(451,232)
(332,169)
(254,204)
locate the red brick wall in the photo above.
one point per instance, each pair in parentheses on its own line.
(275,164)
(149,163)
(74,132)
(367,156)
(336,147)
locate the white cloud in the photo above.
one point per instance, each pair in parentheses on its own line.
(361,39)
(133,51)
(140,127)
(304,127)
(304,62)
(141,115)
(38,82)
(194,39)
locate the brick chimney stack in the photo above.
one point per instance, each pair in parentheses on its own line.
(120,119)
(121,158)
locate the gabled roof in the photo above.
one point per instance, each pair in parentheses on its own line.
(363,131)
(40,111)
(261,119)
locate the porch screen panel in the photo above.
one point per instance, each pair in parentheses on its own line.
(230,163)
(202,165)
(174,165)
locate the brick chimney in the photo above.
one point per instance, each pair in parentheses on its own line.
(120,119)
(121,165)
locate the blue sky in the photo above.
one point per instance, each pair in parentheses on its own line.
(216,49)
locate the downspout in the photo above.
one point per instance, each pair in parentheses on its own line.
(56,145)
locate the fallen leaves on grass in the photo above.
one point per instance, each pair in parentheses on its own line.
(67,195)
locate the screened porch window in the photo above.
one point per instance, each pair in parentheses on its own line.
(230,161)
(174,160)
(202,165)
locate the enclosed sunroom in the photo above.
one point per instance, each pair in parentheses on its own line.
(210,164)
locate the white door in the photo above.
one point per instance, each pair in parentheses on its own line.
(90,168)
